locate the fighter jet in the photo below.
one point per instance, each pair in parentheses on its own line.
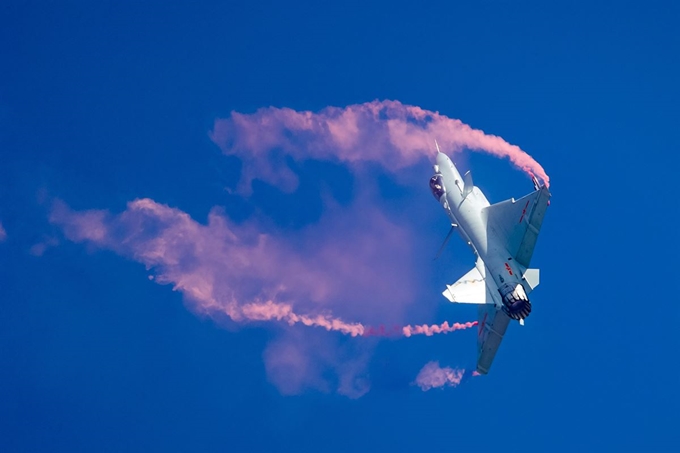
(502,237)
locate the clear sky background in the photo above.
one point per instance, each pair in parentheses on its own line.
(102,104)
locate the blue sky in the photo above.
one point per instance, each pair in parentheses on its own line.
(104,104)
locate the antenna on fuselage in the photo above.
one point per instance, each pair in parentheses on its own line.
(446,240)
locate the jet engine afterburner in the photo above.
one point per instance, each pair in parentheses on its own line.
(515,301)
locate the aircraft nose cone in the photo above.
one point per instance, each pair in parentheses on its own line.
(442,159)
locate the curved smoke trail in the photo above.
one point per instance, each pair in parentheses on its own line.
(346,266)
(386,132)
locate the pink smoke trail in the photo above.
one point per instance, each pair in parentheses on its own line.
(339,268)
(434,329)
(211,264)
(410,330)
(270,310)
(433,376)
(382,331)
(387,132)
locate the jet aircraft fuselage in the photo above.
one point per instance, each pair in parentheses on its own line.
(502,236)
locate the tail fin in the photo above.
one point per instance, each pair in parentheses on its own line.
(469,289)
(473,287)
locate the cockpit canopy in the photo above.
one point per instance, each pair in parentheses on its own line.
(437,186)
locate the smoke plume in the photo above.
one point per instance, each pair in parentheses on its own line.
(211,265)
(410,330)
(433,376)
(389,133)
(352,269)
